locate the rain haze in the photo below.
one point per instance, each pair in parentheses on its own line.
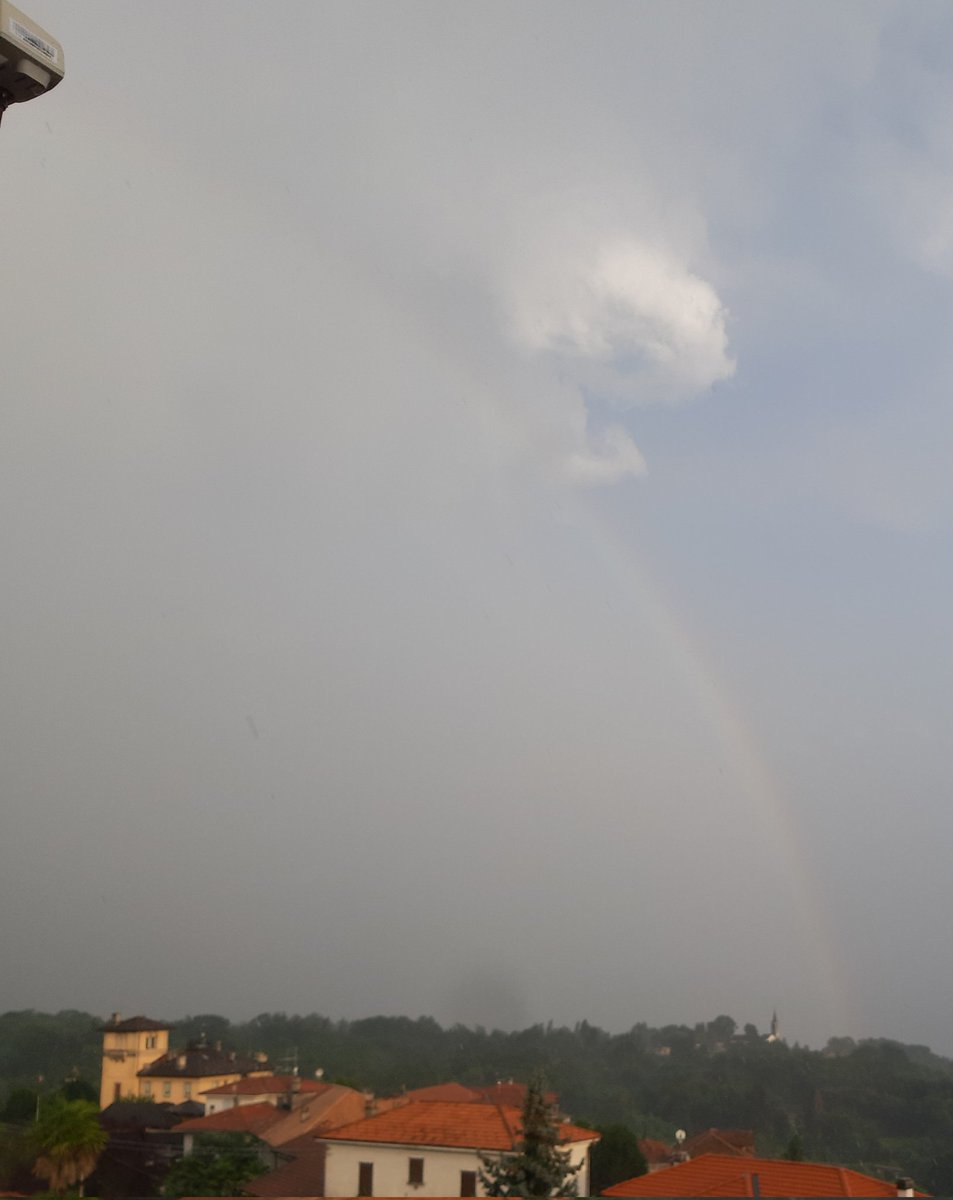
(477,514)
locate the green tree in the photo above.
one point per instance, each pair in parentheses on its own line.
(218,1166)
(68,1140)
(795,1149)
(79,1089)
(615,1157)
(20,1108)
(537,1167)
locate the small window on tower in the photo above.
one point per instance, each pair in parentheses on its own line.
(415,1171)
(365,1179)
(468,1183)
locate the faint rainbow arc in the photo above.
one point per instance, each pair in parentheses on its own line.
(759,789)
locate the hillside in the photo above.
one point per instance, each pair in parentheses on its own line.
(877,1105)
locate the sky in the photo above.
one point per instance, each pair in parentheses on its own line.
(476,512)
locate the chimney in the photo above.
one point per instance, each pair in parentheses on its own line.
(904,1186)
(180,1062)
(115,1018)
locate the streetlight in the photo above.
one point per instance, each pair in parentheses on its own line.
(31,62)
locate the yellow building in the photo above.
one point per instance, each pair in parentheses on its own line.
(128,1046)
(137,1061)
(181,1075)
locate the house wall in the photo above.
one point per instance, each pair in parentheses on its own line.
(214,1104)
(442,1167)
(176,1090)
(124,1054)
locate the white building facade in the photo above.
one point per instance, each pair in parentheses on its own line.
(375,1169)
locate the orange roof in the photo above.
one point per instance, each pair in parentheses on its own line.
(514,1094)
(720,1141)
(447,1123)
(729,1175)
(267,1085)
(443,1091)
(654,1150)
(245,1118)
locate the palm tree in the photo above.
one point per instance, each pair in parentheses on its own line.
(68,1140)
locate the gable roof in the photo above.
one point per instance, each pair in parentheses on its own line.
(505,1092)
(269,1085)
(465,1124)
(720,1141)
(729,1175)
(280,1126)
(244,1118)
(655,1150)
(443,1091)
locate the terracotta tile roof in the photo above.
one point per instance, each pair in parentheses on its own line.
(245,1118)
(509,1094)
(467,1124)
(720,1141)
(512,1094)
(268,1085)
(655,1150)
(729,1175)
(442,1091)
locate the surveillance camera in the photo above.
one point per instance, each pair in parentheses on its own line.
(31,62)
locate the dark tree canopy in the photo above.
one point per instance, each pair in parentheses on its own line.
(218,1166)
(614,1158)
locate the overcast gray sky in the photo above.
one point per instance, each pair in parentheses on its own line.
(476,511)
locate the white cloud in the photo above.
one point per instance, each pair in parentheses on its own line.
(632,308)
(609,456)
(619,320)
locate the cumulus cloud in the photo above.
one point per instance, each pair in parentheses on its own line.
(622,321)
(609,456)
(631,308)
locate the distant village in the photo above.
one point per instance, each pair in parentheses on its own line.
(307,1137)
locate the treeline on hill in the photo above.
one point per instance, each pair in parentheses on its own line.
(877,1105)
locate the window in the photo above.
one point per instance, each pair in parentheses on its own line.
(151,1041)
(167,1088)
(468,1183)
(147,1088)
(365,1179)
(117,1092)
(188,1091)
(415,1171)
